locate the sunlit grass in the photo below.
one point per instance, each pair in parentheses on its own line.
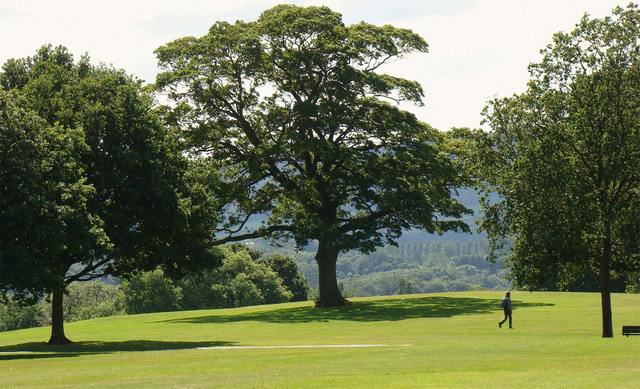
(455,342)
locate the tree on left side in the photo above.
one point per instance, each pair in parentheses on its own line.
(97,186)
(43,206)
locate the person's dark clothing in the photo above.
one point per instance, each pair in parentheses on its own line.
(506,305)
(507,315)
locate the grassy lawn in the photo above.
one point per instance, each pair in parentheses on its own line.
(454,342)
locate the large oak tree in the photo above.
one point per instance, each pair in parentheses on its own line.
(295,113)
(91,183)
(565,160)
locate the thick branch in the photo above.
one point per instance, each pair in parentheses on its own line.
(259,233)
(358,223)
(86,271)
(90,277)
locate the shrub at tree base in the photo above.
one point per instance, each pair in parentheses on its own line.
(151,292)
(14,316)
(243,279)
(84,300)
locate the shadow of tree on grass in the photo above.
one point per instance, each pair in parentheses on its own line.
(37,350)
(363,311)
(369,311)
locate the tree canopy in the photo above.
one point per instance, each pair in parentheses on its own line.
(98,185)
(565,159)
(294,113)
(43,200)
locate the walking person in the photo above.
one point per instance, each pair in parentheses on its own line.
(506,306)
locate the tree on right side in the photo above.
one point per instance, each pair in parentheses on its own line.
(564,157)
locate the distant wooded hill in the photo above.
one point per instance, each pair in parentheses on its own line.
(422,262)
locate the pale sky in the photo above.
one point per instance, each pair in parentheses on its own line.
(479,49)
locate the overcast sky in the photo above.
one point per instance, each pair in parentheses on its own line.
(478,48)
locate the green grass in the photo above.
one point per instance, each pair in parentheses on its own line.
(454,336)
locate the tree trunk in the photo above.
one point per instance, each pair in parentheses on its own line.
(57,318)
(330,295)
(605,277)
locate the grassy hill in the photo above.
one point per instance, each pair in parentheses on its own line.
(433,340)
